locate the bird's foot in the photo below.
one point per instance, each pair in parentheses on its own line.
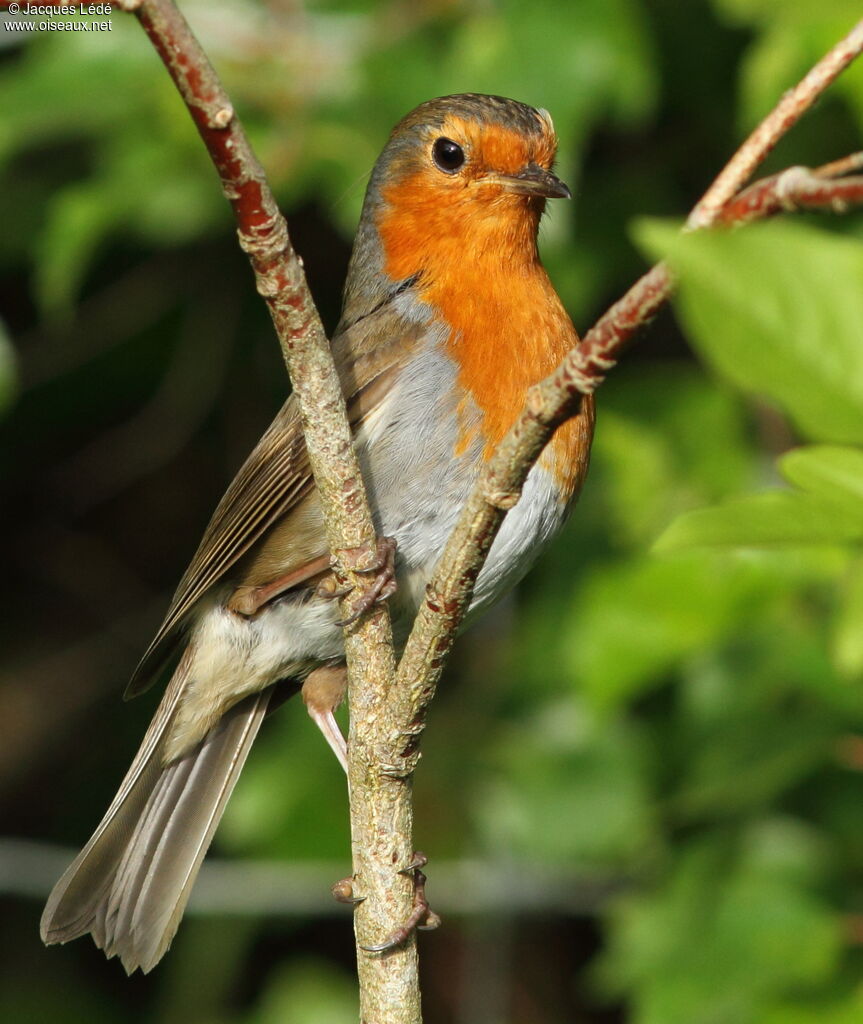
(421,916)
(381,587)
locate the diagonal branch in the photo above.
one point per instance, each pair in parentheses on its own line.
(279,276)
(559,396)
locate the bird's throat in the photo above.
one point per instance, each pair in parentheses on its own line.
(505,326)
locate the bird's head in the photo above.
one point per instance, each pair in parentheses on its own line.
(462,178)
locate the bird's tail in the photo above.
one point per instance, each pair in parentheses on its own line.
(130,884)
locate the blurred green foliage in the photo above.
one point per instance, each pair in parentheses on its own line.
(672,706)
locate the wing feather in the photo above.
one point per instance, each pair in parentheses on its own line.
(276,477)
(271,481)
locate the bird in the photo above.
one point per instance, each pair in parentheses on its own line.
(448,318)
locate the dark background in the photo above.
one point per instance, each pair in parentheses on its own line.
(640,784)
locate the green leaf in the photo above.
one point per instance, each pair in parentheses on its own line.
(818,1011)
(832,472)
(565,765)
(307,992)
(633,622)
(776,309)
(789,36)
(827,510)
(76,221)
(652,465)
(764,520)
(639,474)
(749,759)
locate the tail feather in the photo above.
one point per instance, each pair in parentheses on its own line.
(78,900)
(128,889)
(130,884)
(197,792)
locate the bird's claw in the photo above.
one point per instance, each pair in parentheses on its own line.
(382,587)
(419,860)
(421,917)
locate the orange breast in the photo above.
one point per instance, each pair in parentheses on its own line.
(481,276)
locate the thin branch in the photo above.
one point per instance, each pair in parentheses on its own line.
(795,189)
(263,235)
(381,813)
(778,122)
(836,168)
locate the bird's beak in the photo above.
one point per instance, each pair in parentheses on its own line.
(533,180)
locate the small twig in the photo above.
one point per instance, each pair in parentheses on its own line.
(836,168)
(778,122)
(795,189)
(602,345)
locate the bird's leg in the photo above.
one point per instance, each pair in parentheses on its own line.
(421,916)
(323,691)
(249,601)
(382,587)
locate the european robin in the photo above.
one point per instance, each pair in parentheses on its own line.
(448,318)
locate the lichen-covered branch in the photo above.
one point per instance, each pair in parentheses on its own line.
(380,803)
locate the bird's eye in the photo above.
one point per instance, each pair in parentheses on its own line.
(447,155)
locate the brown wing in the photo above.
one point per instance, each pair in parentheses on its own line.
(276,477)
(272,479)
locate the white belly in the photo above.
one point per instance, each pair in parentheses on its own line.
(418,489)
